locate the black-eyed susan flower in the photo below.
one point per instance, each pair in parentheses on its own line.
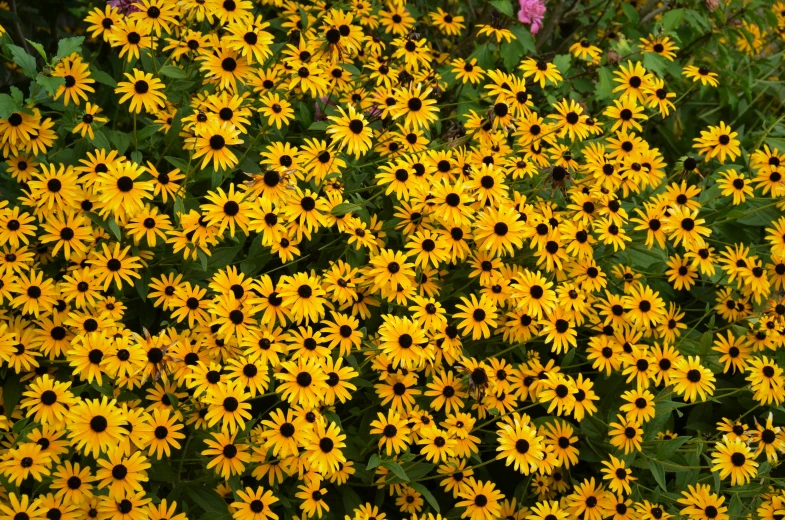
(114,265)
(449,24)
(213,142)
(228,406)
(323,447)
(351,131)
(718,141)
(143,90)
(735,459)
(102,21)
(520,446)
(276,109)
(619,475)
(76,80)
(122,475)
(302,383)
(414,106)
(626,434)
(228,457)
(692,379)
(478,316)
(702,74)
(481,499)
(661,45)
(254,504)
(634,79)
(26,460)
(627,114)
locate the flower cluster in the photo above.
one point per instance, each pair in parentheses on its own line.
(271,259)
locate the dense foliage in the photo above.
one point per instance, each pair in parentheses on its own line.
(373,259)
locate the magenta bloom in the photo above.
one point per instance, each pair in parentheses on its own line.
(124,6)
(531,13)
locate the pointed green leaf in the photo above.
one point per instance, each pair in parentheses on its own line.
(68,45)
(658,472)
(426,495)
(24,60)
(396,469)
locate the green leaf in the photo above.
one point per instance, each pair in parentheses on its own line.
(12,392)
(161,471)
(426,495)
(20,425)
(663,411)
(173,400)
(66,46)
(373,462)
(18,96)
(631,13)
(333,417)
(305,114)
(700,418)
(672,19)
(776,142)
(223,255)
(354,71)
(644,258)
(102,77)
(50,84)
(396,469)
(593,429)
(100,140)
(105,388)
(178,163)
(178,207)
(658,473)
(8,106)
(98,221)
(24,60)
(209,500)
(604,84)
(485,55)
(170,71)
(758,215)
(250,166)
(142,284)
(303,19)
(344,208)
(562,62)
(38,47)
(120,140)
(568,357)
(697,20)
(736,507)
(351,500)
(524,37)
(667,449)
(420,469)
(148,131)
(655,63)
(203,259)
(510,54)
(504,6)
(137,157)
(115,229)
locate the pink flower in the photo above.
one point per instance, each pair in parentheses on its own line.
(124,6)
(532,12)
